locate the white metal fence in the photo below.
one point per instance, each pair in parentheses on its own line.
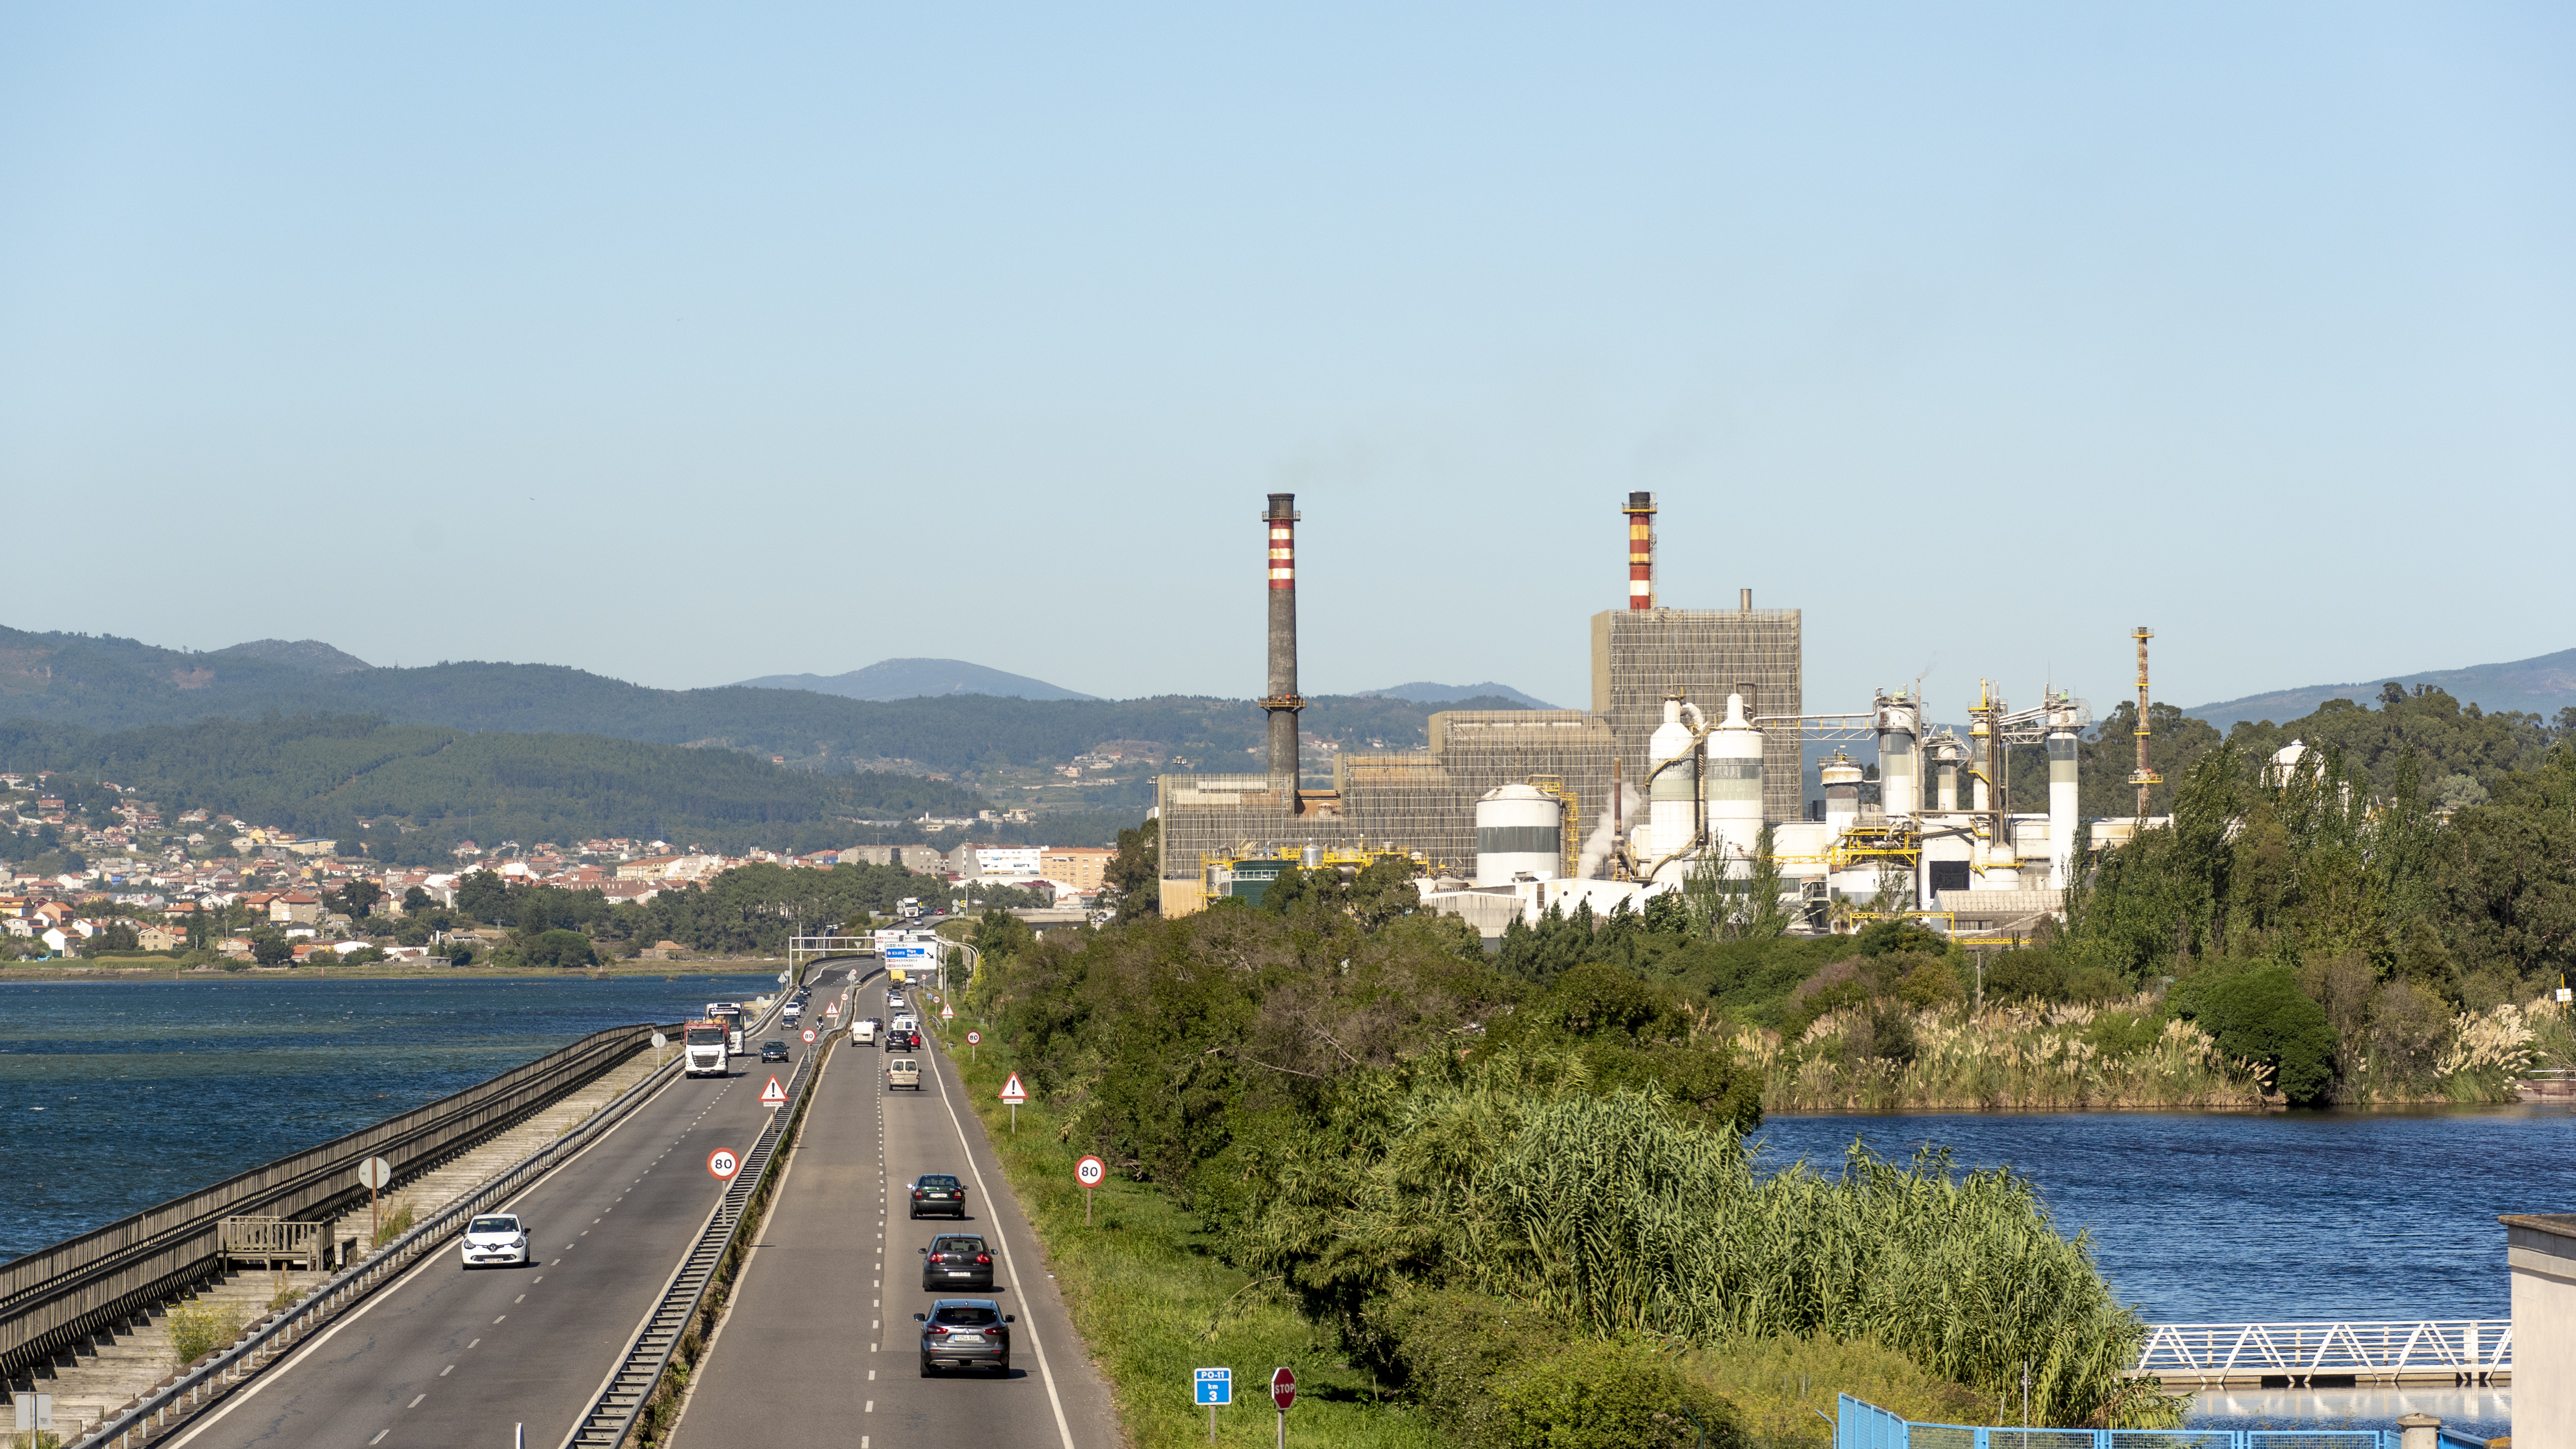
(2433,1350)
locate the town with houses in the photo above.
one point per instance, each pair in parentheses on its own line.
(225,883)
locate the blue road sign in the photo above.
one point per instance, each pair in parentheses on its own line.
(1215,1386)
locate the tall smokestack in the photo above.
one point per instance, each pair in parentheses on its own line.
(2146,775)
(1283,702)
(1641,550)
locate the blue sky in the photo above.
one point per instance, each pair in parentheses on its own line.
(690,344)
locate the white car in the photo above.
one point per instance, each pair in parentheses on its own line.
(495,1238)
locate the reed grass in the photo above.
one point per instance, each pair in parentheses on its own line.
(2029,1056)
(1606,1212)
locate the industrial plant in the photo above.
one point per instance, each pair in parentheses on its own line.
(1689,770)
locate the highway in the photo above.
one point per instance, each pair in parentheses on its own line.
(446,1357)
(819,1346)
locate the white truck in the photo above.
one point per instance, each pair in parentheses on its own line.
(703,1043)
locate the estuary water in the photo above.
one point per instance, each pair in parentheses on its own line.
(2204,1217)
(2209,1217)
(115,1096)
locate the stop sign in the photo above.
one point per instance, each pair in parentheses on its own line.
(1283,1388)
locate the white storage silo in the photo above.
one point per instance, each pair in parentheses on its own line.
(1672,801)
(1841,779)
(2062,728)
(1734,787)
(1520,830)
(1900,780)
(1946,753)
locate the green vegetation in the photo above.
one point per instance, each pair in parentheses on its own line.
(1537,1166)
(199,1328)
(751,909)
(423,789)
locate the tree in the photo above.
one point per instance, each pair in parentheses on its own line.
(1135,875)
(359,897)
(2261,1015)
(270,950)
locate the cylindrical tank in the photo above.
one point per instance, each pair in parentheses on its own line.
(1946,752)
(1977,736)
(1734,787)
(1312,858)
(1520,830)
(1900,780)
(1841,779)
(1671,801)
(2061,791)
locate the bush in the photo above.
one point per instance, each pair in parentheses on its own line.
(1781,1385)
(2261,1015)
(198,1329)
(1608,1396)
(2409,1027)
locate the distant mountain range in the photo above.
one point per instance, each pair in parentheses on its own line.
(1428,693)
(2541,686)
(917,679)
(100,682)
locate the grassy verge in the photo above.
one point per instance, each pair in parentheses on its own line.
(1154,1302)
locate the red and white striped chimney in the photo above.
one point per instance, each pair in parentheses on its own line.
(1641,550)
(1282,701)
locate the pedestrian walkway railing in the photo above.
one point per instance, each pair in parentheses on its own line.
(2432,1350)
(53,1299)
(1860,1424)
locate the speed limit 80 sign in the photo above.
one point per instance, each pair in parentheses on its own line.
(1090,1171)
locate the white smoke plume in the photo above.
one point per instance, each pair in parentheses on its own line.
(1597,845)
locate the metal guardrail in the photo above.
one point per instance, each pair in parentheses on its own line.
(1860,1424)
(55,1297)
(611,1418)
(281,1332)
(2433,1350)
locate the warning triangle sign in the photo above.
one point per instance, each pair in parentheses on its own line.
(1013,1092)
(773,1094)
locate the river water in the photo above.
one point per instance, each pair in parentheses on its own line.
(2204,1217)
(115,1096)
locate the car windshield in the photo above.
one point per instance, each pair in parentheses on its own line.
(774,1046)
(494,1225)
(958,1315)
(958,1245)
(938,1180)
(706,1036)
(903,1064)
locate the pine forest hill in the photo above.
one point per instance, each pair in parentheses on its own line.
(112,684)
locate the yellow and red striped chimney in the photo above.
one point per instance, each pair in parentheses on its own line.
(1641,550)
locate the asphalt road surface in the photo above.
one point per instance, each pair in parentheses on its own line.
(449,1358)
(819,1346)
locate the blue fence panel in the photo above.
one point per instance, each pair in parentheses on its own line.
(1864,1425)
(1860,1424)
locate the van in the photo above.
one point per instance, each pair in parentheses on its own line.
(907,1023)
(903,1072)
(863,1032)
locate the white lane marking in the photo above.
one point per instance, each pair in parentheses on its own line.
(871,1408)
(262,1381)
(380,1436)
(451,1368)
(1064,1431)
(414,1404)
(497,1320)
(540,1278)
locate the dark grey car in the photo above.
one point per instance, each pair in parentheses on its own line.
(965,1333)
(956,1260)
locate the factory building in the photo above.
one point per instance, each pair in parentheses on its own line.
(1693,745)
